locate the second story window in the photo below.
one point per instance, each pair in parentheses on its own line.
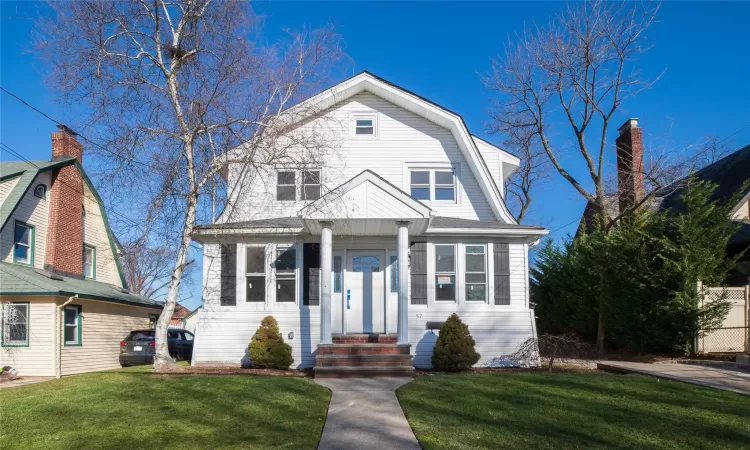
(286,185)
(310,185)
(365,125)
(89,261)
(40,191)
(433,184)
(23,247)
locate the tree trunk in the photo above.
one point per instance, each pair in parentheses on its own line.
(162,359)
(600,331)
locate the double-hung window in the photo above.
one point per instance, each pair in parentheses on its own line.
(255,274)
(73,328)
(476,273)
(365,125)
(310,185)
(286,185)
(286,265)
(433,184)
(89,261)
(15,322)
(23,248)
(445,272)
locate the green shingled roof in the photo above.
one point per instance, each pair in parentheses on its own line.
(16,279)
(27,171)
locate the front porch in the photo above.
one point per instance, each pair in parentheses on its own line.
(358,355)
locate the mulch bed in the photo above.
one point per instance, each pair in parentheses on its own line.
(234,370)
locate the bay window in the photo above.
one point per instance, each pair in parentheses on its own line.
(445,272)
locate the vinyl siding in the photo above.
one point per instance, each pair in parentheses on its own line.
(104,326)
(33,211)
(95,234)
(38,359)
(224,332)
(7,186)
(404,139)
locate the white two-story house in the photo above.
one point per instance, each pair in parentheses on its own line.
(362,253)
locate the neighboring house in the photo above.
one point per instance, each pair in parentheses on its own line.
(190,321)
(180,312)
(65,303)
(405,223)
(729,174)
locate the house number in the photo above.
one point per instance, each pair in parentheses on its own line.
(419,316)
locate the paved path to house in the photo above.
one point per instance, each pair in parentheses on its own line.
(24,381)
(365,414)
(713,377)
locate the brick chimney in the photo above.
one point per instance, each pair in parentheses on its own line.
(630,176)
(64,252)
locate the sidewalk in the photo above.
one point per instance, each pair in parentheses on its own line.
(713,377)
(365,414)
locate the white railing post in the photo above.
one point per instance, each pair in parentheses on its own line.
(403,283)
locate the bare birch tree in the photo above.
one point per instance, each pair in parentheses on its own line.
(170,88)
(577,70)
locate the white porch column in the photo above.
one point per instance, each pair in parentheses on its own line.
(403,283)
(326,250)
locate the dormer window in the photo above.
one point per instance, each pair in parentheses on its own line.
(365,125)
(40,191)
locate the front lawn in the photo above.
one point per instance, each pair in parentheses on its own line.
(132,409)
(539,410)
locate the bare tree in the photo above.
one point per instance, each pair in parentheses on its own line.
(533,168)
(577,70)
(148,269)
(174,93)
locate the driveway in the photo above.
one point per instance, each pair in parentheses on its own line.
(713,377)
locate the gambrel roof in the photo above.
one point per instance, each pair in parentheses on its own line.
(365,81)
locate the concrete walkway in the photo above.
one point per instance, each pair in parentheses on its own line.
(365,414)
(713,377)
(24,381)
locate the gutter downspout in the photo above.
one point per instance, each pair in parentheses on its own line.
(58,333)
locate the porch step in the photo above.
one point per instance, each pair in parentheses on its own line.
(399,360)
(363,349)
(364,338)
(363,372)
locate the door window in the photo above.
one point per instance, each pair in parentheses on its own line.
(365,263)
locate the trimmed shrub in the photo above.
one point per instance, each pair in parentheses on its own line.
(454,350)
(267,348)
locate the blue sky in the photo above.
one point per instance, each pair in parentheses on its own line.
(437,49)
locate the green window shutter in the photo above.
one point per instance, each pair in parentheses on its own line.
(228,275)
(502,273)
(418,269)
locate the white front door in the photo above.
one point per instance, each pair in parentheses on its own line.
(364,299)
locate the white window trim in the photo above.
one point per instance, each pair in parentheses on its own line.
(93,261)
(275,249)
(364,116)
(466,272)
(432,168)
(242,268)
(78,323)
(302,183)
(4,324)
(455,273)
(299,185)
(296,172)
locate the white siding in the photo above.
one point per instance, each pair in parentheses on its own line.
(403,139)
(95,234)
(33,211)
(38,359)
(224,332)
(104,325)
(5,188)
(743,211)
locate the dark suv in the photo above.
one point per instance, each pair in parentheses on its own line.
(140,345)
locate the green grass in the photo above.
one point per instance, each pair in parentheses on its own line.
(131,408)
(539,410)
